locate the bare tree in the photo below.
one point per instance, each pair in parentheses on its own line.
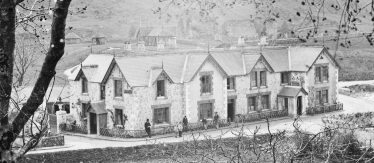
(27,51)
(8,21)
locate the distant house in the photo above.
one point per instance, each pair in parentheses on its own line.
(99,39)
(157,36)
(125,91)
(72,38)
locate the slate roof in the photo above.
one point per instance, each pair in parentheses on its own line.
(292,58)
(137,69)
(290,91)
(95,67)
(72,35)
(143,31)
(232,63)
(181,67)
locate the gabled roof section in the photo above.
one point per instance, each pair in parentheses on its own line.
(95,67)
(209,57)
(250,61)
(302,58)
(193,64)
(157,73)
(293,58)
(143,31)
(73,73)
(137,69)
(277,58)
(231,62)
(291,91)
(72,35)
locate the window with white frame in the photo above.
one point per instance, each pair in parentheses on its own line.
(206,84)
(160,88)
(321,73)
(161,115)
(118,116)
(231,83)
(265,101)
(84,85)
(252,103)
(205,110)
(117,88)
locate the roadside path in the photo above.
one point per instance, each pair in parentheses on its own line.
(309,123)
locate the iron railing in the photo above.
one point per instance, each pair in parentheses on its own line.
(168,129)
(324,109)
(82,129)
(257,116)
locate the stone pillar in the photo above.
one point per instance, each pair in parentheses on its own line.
(61,119)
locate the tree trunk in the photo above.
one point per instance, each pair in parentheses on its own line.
(7,43)
(55,52)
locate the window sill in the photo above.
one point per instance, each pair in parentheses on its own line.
(161,98)
(261,87)
(284,84)
(160,125)
(118,98)
(84,94)
(231,90)
(206,94)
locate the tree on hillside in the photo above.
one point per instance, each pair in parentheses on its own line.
(10,18)
(27,51)
(307,16)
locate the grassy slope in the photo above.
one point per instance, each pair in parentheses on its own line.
(114,18)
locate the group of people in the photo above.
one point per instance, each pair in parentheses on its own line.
(178,128)
(181,127)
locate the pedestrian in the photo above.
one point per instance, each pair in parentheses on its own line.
(185,124)
(147,127)
(180,129)
(176,130)
(215,120)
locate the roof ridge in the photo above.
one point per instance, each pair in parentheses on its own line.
(184,68)
(289,59)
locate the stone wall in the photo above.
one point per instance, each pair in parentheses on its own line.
(139,105)
(311,86)
(243,88)
(194,96)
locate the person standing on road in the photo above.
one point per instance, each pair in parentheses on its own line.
(147,127)
(215,120)
(180,129)
(176,130)
(185,124)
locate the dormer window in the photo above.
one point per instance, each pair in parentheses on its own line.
(102,91)
(160,88)
(321,74)
(206,83)
(117,88)
(84,85)
(231,83)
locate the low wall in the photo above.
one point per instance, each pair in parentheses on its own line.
(52,141)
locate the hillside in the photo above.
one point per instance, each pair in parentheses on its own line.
(114,18)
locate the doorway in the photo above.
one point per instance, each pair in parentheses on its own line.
(231,109)
(299,105)
(93,123)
